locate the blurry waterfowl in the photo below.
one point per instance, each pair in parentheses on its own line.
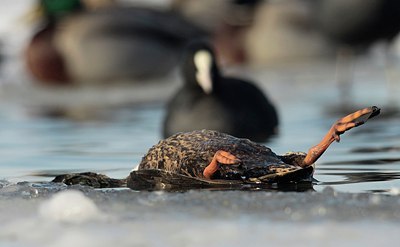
(359,23)
(206,158)
(284,34)
(1,52)
(111,43)
(355,26)
(43,58)
(208,100)
(226,20)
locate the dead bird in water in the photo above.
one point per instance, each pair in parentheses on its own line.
(206,158)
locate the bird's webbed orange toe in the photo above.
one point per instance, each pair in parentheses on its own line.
(353,120)
(340,128)
(221,157)
(225,158)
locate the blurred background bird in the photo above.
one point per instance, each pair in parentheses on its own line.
(81,42)
(355,26)
(210,100)
(1,52)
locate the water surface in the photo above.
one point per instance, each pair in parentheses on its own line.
(113,139)
(357,193)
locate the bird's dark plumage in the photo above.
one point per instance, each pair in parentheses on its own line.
(208,100)
(189,153)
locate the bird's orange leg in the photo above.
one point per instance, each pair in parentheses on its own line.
(222,157)
(339,127)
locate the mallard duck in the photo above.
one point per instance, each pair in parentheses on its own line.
(205,158)
(111,43)
(209,100)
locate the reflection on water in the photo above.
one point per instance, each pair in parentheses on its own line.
(375,149)
(366,162)
(366,176)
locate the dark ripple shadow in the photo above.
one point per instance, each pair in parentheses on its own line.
(375,149)
(343,169)
(294,187)
(170,186)
(53,173)
(364,171)
(361,177)
(363,162)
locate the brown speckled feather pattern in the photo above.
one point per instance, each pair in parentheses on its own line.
(189,153)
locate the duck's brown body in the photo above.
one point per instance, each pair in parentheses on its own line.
(190,153)
(205,158)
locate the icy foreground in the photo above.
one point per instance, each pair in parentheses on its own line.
(54,215)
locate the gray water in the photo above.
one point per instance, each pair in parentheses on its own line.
(357,194)
(110,134)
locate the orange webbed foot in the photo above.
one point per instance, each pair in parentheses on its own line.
(339,127)
(222,157)
(225,158)
(353,120)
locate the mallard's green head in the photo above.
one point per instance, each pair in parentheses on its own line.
(56,9)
